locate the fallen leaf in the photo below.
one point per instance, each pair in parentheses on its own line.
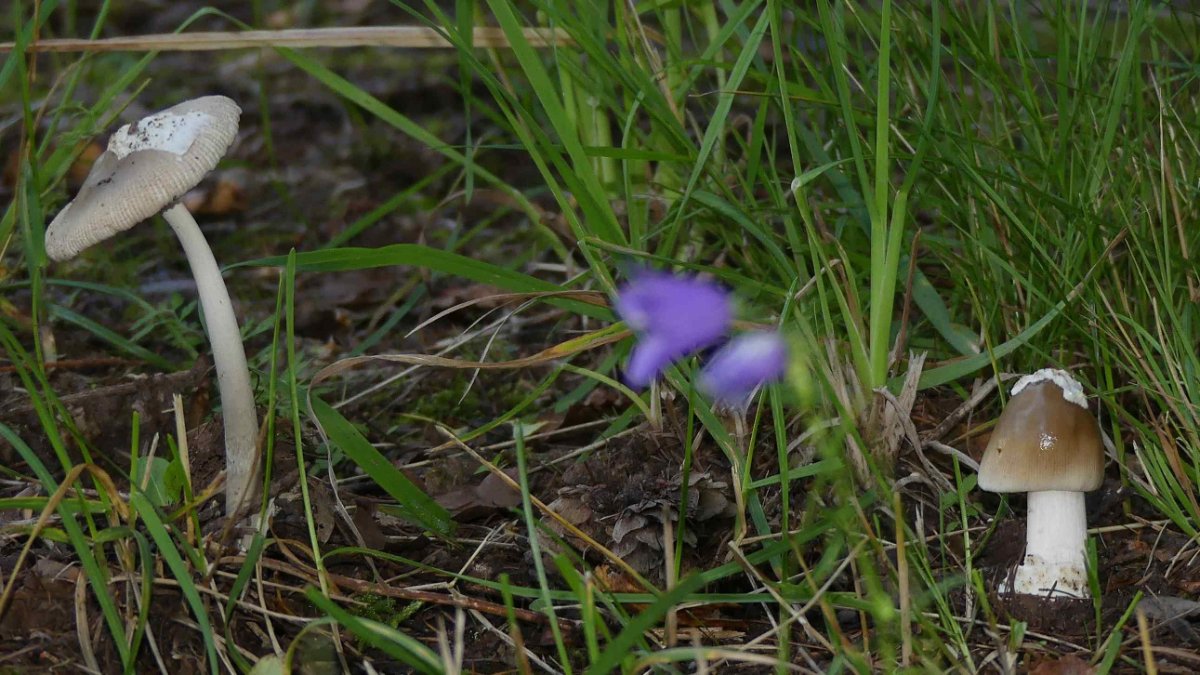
(56,571)
(38,602)
(1166,608)
(368,527)
(1189,586)
(1067,665)
(83,163)
(221,198)
(1175,614)
(472,502)
(615,581)
(323,509)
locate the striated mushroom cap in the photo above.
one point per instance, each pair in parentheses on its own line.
(149,164)
(1046,439)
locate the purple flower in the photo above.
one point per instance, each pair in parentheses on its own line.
(673,317)
(740,367)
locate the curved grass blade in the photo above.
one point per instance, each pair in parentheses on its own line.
(114,339)
(619,649)
(592,196)
(417,255)
(145,560)
(170,554)
(418,506)
(948,373)
(97,578)
(393,642)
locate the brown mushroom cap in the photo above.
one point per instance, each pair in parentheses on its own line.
(1043,442)
(148,165)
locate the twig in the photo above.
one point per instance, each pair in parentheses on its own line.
(244,604)
(1129,527)
(410,37)
(12,656)
(963,457)
(80,364)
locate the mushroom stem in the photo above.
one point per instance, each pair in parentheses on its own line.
(229,356)
(1055,546)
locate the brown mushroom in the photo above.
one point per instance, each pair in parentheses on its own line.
(1048,444)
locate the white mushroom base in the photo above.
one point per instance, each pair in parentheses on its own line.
(1055,548)
(229,358)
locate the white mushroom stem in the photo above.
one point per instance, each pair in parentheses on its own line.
(229,357)
(1055,547)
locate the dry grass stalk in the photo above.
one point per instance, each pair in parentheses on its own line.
(408,37)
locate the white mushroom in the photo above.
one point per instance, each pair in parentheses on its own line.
(1047,443)
(147,168)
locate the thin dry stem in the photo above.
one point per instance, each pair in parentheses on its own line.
(408,37)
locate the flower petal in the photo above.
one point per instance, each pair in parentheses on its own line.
(649,357)
(744,364)
(687,312)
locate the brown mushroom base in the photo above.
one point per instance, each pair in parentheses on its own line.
(1055,547)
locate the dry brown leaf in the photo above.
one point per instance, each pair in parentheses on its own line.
(53,570)
(1189,586)
(1067,665)
(614,581)
(323,509)
(221,198)
(367,526)
(492,494)
(83,163)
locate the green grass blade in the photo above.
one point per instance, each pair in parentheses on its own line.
(111,337)
(179,569)
(717,121)
(361,98)
(618,650)
(593,198)
(97,578)
(425,257)
(385,638)
(417,505)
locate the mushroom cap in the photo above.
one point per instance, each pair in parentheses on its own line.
(1046,439)
(149,164)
